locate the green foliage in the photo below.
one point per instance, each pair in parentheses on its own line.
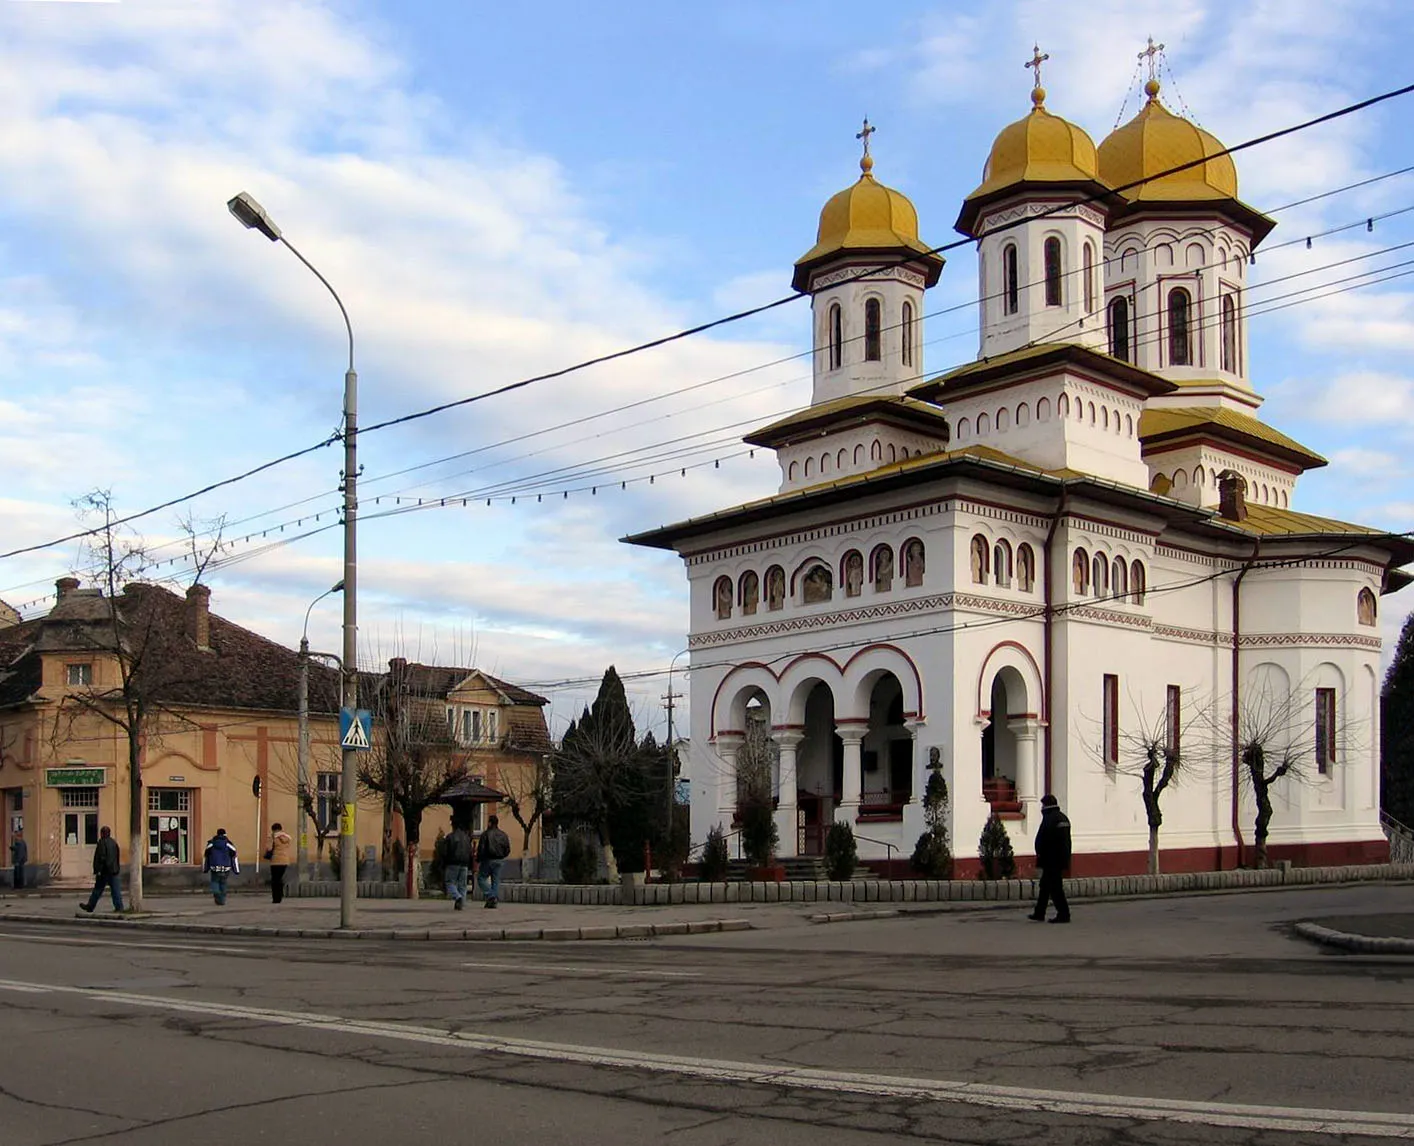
(841,852)
(435,874)
(672,853)
(759,836)
(579,862)
(932,856)
(714,856)
(335,860)
(994,850)
(1397,730)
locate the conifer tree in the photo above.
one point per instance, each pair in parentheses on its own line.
(1397,730)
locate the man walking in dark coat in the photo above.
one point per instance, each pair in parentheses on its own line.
(491,851)
(106,866)
(221,861)
(19,856)
(1052,858)
(456,862)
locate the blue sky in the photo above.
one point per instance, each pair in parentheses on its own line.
(502,190)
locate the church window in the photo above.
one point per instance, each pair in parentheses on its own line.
(1001,564)
(824,463)
(1128,426)
(873,351)
(893,452)
(1200,476)
(981,551)
(1080,409)
(876,451)
(794,472)
(1283,499)
(1111,720)
(903,453)
(1011,291)
(1025,568)
(1003,419)
(1104,417)
(1180,478)
(817,586)
(1080,573)
(749,593)
(1229,333)
(1043,410)
(836,336)
(809,467)
(1119,329)
(964,429)
(1101,575)
(1023,415)
(1089,278)
(1092,413)
(1365,607)
(984,424)
(1119,579)
(907,332)
(859,455)
(1325,730)
(1180,334)
(1112,723)
(913,563)
(1063,406)
(722,595)
(1136,582)
(852,573)
(1173,722)
(881,567)
(840,459)
(775,587)
(1052,251)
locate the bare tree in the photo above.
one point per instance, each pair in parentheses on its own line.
(285,778)
(527,792)
(416,761)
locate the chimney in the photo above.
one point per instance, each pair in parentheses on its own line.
(64,586)
(199,616)
(1232,496)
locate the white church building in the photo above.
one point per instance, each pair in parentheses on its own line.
(1082,538)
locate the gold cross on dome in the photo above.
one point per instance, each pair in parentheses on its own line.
(1037,59)
(865,134)
(1152,51)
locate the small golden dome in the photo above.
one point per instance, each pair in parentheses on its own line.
(866,217)
(1156,140)
(1038,148)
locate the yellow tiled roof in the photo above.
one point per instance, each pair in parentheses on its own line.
(1224,423)
(1268,521)
(840,409)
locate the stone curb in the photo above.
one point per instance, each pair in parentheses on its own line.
(414,934)
(1366,944)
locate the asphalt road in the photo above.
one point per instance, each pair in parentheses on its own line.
(1197,1020)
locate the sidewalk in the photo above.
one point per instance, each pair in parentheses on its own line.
(254,914)
(1383,934)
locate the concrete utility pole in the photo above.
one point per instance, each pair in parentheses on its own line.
(252,215)
(302,773)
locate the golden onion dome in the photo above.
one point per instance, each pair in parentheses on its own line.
(1156,140)
(1038,148)
(867,217)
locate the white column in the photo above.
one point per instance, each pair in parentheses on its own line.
(1028,783)
(727,747)
(788,742)
(913,810)
(848,810)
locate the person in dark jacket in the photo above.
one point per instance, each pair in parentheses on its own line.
(19,856)
(1052,858)
(220,860)
(456,864)
(491,851)
(106,866)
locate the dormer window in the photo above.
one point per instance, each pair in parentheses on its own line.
(873,351)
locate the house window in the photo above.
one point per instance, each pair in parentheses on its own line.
(169,826)
(1052,250)
(835,321)
(451,721)
(1180,339)
(467,726)
(77,676)
(872,323)
(1111,723)
(1010,290)
(477,725)
(1325,730)
(326,800)
(908,334)
(1173,721)
(1229,333)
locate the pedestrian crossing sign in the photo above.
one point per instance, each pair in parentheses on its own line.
(356,729)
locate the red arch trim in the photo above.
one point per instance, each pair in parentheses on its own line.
(1025,652)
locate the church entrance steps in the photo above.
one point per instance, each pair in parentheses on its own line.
(953,891)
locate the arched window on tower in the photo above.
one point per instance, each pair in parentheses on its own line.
(981,552)
(836,336)
(1025,567)
(1011,294)
(1052,251)
(873,351)
(1229,333)
(907,332)
(1180,334)
(1119,328)
(1089,279)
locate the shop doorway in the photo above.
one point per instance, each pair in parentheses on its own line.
(79,809)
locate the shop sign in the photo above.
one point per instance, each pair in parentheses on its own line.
(75,777)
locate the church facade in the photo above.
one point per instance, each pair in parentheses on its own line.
(1045,567)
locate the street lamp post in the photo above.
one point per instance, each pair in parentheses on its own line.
(305,799)
(252,215)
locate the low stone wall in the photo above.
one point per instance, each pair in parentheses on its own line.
(947,891)
(328,888)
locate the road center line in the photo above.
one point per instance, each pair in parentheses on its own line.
(578,969)
(1373,1124)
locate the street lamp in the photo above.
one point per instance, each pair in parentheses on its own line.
(252,215)
(302,862)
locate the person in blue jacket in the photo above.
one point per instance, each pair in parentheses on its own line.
(221,862)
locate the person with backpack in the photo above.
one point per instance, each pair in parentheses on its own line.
(456,864)
(491,851)
(220,861)
(1052,858)
(106,866)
